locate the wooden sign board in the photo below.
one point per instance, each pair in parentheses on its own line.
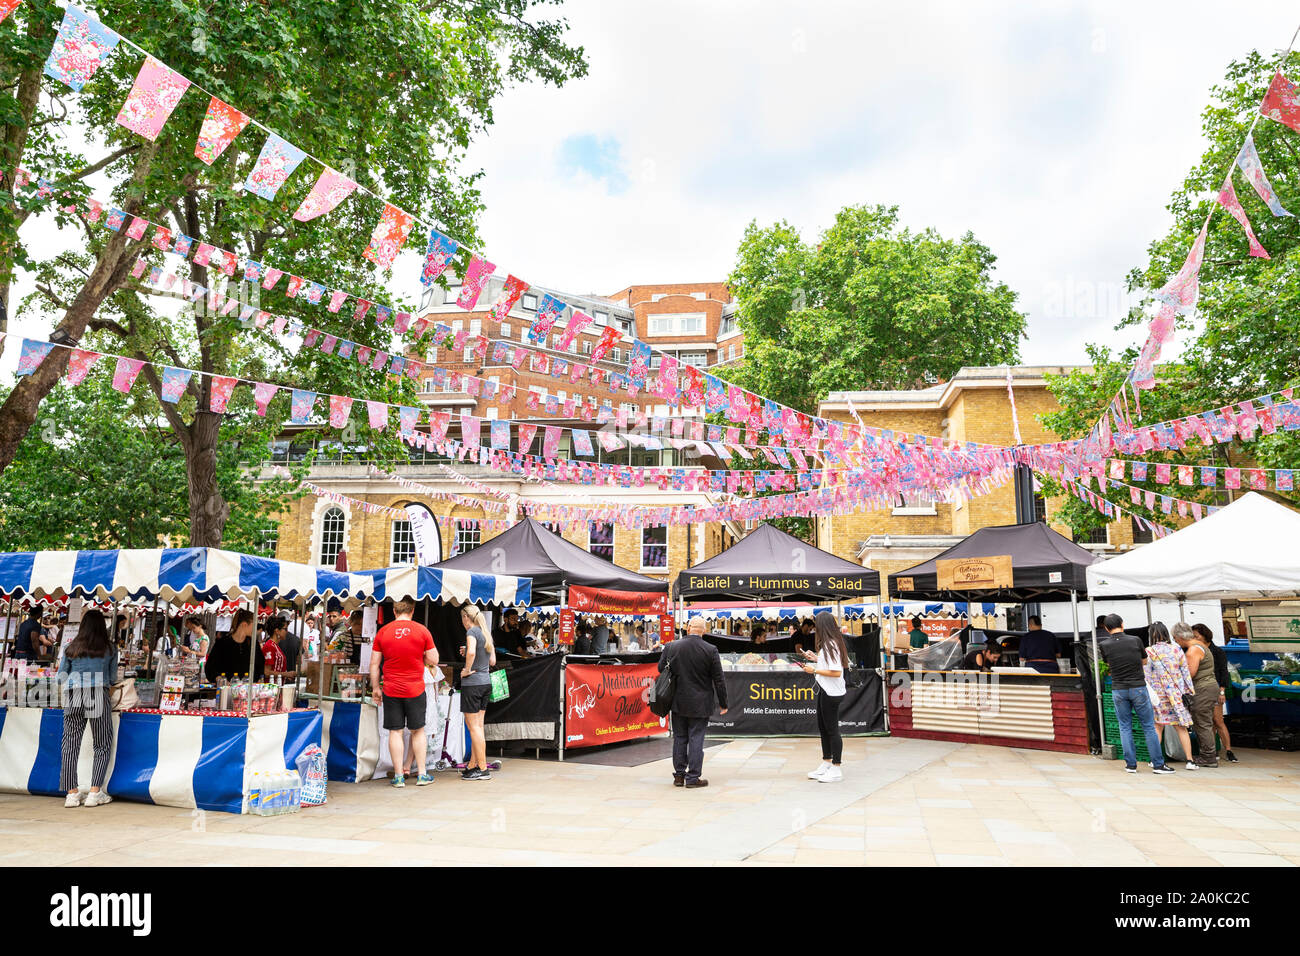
(971,574)
(903,584)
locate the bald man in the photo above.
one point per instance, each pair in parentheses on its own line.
(698,670)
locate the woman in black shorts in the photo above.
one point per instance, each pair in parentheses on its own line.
(476,688)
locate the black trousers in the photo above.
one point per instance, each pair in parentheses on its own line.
(688,746)
(828,725)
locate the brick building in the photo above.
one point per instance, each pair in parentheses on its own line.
(973,407)
(695,322)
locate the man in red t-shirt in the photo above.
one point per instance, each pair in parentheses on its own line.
(403,649)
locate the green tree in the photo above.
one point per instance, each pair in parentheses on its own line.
(389,94)
(102,470)
(870,305)
(1244,339)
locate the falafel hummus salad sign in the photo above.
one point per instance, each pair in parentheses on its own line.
(605,704)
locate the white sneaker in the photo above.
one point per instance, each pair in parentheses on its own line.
(73,800)
(833,775)
(817,774)
(98,798)
(1191,766)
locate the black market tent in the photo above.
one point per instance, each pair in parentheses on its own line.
(551,562)
(1024,563)
(770,565)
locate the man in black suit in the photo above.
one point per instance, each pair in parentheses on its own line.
(698,670)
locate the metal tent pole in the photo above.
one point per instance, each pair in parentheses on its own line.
(1074,610)
(1149,620)
(252,659)
(1096,671)
(564,666)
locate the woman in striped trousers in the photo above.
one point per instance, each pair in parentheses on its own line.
(88,670)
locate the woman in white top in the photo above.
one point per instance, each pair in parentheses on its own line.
(830,658)
(199,643)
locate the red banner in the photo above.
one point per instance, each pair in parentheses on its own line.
(607,704)
(567,629)
(667,629)
(607,601)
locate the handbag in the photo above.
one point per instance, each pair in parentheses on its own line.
(123,695)
(662,691)
(500,686)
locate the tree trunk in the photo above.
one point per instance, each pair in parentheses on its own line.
(208,507)
(18,412)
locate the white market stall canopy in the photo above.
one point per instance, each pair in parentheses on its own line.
(211,574)
(1249,550)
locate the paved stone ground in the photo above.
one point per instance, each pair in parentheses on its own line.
(908,802)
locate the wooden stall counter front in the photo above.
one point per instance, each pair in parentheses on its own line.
(1036,711)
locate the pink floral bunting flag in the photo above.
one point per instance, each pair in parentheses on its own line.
(157,90)
(378,412)
(1229,201)
(137,227)
(162,238)
(476,276)
(526,434)
(362,308)
(220,387)
(340,409)
(301,409)
(272,277)
(331,189)
(263,392)
(221,125)
(79,365)
(229,262)
(551,442)
(203,254)
(577,322)
(126,372)
(337,298)
(388,236)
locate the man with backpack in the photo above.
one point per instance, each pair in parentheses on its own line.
(697,673)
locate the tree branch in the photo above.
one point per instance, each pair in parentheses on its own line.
(96,167)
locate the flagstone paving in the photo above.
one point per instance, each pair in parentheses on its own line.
(903,802)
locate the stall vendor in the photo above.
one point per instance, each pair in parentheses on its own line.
(339,629)
(32,641)
(506,637)
(275,661)
(982,657)
(1038,648)
(917,638)
(199,643)
(230,654)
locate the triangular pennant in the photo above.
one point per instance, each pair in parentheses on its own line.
(331,188)
(263,392)
(1229,201)
(276,163)
(174,381)
(220,387)
(157,90)
(437,256)
(32,355)
(125,374)
(389,235)
(79,364)
(1253,170)
(221,125)
(82,47)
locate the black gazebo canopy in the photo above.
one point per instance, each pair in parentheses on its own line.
(531,550)
(770,565)
(1044,566)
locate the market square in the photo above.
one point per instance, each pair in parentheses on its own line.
(548,433)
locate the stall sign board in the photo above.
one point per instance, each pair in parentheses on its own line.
(566,625)
(667,628)
(971,574)
(609,601)
(784,703)
(1273,629)
(173,685)
(938,628)
(605,704)
(904,584)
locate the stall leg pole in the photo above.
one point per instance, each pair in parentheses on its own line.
(9,634)
(1181,618)
(564,710)
(149,664)
(1074,610)
(1149,620)
(252,660)
(1096,672)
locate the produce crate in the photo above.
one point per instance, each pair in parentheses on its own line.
(1111,734)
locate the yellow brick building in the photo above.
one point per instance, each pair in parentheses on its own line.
(973,406)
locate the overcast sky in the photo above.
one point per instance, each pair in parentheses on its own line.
(1054,131)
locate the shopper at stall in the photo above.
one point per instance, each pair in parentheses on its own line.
(1124,654)
(230,655)
(830,660)
(506,637)
(88,671)
(337,636)
(402,652)
(274,659)
(1168,681)
(698,671)
(1206,694)
(1038,648)
(600,636)
(356,625)
(1225,681)
(32,642)
(476,688)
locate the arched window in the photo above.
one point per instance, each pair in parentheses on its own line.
(332,524)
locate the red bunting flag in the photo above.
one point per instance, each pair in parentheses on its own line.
(388,236)
(476,277)
(7,7)
(220,388)
(340,408)
(1281,103)
(1229,201)
(510,293)
(220,127)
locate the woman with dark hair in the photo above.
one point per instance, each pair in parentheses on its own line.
(230,654)
(829,659)
(88,670)
(1168,682)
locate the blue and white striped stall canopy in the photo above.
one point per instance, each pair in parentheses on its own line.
(956,609)
(444,584)
(758,613)
(182,574)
